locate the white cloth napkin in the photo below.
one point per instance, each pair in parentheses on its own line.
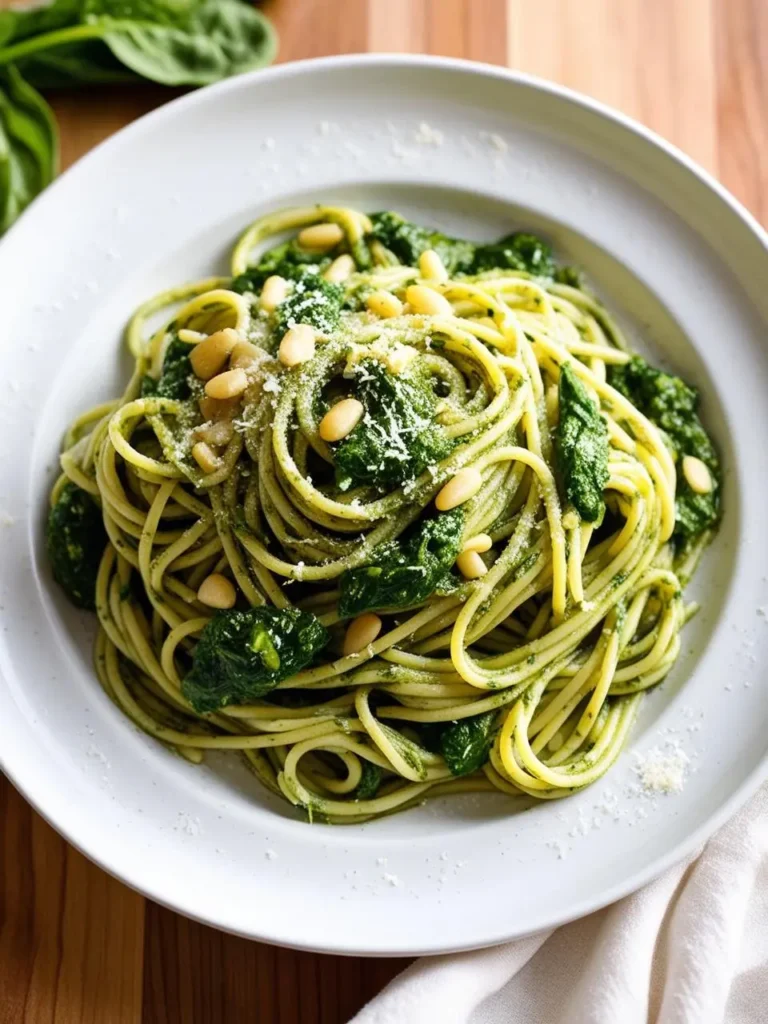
(690,948)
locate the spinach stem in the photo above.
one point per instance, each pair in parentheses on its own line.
(49,40)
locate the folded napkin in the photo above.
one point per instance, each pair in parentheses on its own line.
(690,948)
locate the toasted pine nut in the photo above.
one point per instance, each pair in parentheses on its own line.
(697,474)
(217,592)
(273,292)
(361,632)
(217,433)
(218,408)
(471,565)
(320,237)
(205,457)
(208,357)
(480,542)
(431,267)
(245,355)
(297,346)
(427,301)
(341,420)
(384,304)
(460,488)
(228,384)
(340,269)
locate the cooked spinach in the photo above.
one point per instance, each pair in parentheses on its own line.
(313,301)
(407,571)
(397,437)
(287,260)
(28,145)
(465,744)
(518,251)
(370,781)
(242,655)
(175,42)
(75,542)
(174,379)
(672,405)
(407,241)
(582,447)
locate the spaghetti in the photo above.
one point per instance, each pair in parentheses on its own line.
(391,514)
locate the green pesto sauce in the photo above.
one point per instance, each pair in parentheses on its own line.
(672,405)
(75,541)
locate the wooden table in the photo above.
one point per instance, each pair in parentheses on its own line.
(76,946)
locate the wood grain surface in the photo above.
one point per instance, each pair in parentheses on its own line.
(78,947)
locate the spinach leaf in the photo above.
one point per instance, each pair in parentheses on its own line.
(406,571)
(407,241)
(465,744)
(242,655)
(312,301)
(397,437)
(174,379)
(28,145)
(672,405)
(288,260)
(518,251)
(582,447)
(184,42)
(369,783)
(16,25)
(75,542)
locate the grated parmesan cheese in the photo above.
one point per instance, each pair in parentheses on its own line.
(662,770)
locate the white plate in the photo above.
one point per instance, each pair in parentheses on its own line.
(479,151)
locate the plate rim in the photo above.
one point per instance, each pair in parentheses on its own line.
(24,781)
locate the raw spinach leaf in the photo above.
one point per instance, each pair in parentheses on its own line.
(672,405)
(75,542)
(242,655)
(397,437)
(28,145)
(582,447)
(174,379)
(465,744)
(406,571)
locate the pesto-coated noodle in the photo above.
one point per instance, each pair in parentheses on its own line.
(592,489)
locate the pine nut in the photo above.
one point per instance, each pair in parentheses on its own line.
(273,292)
(320,237)
(341,420)
(480,542)
(297,346)
(384,304)
(228,384)
(216,591)
(205,457)
(217,433)
(209,356)
(340,269)
(431,267)
(460,488)
(471,565)
(217,408)
(245,356)
(426,301)
(697,474)
(361,632)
